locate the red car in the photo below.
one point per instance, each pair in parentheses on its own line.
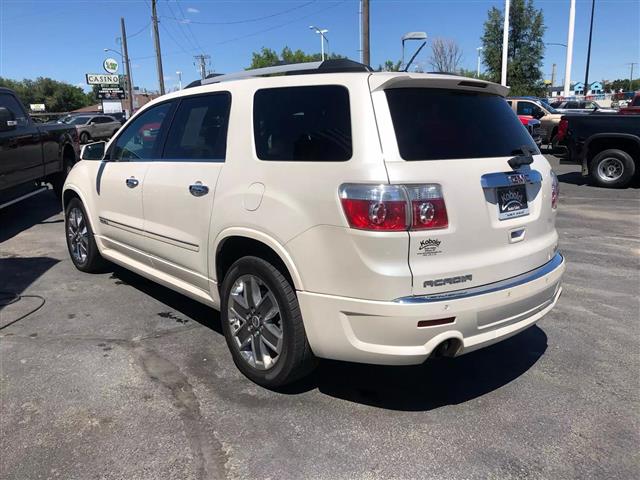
(633,108)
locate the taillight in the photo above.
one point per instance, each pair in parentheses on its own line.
(563,126)
(394,207)
(374,207)
(555,190)
(427,207)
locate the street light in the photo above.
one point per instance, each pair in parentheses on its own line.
(321,32)
(478,49)
(412,36)
(179,73)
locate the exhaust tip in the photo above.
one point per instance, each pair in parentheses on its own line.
(447,349)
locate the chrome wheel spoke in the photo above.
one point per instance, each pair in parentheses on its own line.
(267,306)
(252,292)
(272,337)
(243,335)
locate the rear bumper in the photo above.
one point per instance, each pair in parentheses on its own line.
(386,333)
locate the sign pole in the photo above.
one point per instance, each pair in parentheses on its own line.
(129,80)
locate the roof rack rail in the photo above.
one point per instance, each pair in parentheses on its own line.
(340,65)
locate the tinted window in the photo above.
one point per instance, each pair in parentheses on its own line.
(78,120)
(103,119)
(139,140)
(528,108)
(199,128)
(302,124)
(572,105)
(434,124)
(10,103)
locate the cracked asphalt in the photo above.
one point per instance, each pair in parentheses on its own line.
(118,378)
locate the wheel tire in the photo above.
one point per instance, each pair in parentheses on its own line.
(295,359)
(612,168)
(92,261)
(84,138)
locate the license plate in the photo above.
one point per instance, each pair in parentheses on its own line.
(512,202)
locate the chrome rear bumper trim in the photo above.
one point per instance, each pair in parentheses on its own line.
(539,272)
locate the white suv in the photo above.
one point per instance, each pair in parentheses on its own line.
(337,213)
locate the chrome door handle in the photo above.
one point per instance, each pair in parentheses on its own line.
(132,182)
(198,189)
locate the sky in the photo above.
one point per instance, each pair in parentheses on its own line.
(64,39)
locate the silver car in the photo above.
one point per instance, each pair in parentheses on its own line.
(93,127)
(580,106)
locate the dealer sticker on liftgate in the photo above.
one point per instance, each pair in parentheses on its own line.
(512,202)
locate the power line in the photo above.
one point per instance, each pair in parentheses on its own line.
(195,39)
(166,30)
(140,31)
(248,20)
(183,30)
(282,24)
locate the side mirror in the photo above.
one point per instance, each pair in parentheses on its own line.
(7,120)
(93,151)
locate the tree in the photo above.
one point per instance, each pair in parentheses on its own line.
(57,96)
(267,57)
(463,72)
(389,66)
(445,55)
(525,49)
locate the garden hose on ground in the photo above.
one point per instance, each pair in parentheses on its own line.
(9,298)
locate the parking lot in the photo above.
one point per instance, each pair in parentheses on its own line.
(118,378)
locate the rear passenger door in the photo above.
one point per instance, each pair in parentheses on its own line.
(179,188)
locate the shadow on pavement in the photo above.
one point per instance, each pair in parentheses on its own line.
(191,309)
(412,388)
(23,215)
(434,384)
(574,178)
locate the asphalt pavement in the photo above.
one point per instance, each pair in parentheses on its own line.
(115,377)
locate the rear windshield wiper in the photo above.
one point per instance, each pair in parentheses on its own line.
(523,156)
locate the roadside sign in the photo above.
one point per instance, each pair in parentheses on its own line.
(37,107)
(102,79)
(110,65)
(110,93)
(111,106)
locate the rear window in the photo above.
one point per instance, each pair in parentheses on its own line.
(309,124)
(438,124)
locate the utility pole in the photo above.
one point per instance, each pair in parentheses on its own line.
(201,63)
(156,40)
(553,75)
(360,30)
(366,58)
(631,75)
(567,69)
(505,43)
(125,58)
(586,73)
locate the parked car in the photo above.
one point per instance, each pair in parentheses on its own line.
(93,127)
(31,154)
(540,110)
(335,213)
(607,146)
(533,126)
(634,107)
(580,106)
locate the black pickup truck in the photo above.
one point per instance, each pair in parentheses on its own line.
(607,146)
(32,155)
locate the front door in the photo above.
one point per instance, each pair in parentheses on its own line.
(121,179)
(20,148)
(179,188)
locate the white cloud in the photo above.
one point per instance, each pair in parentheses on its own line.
(184,20)
(193,10)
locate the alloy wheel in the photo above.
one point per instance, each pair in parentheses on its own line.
(610,169)
(78,235)
(255,321)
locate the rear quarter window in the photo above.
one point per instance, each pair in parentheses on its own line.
(439,124)
(308,124)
